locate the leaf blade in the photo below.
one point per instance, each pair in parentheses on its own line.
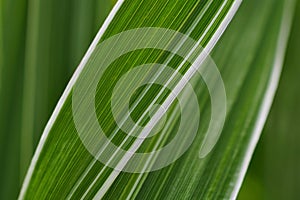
(207,191)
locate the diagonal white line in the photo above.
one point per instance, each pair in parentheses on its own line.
(199,59)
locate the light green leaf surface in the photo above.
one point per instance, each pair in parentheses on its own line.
(245,56)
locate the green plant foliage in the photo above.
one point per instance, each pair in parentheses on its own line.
(49,39)
(274,172)
(39,50)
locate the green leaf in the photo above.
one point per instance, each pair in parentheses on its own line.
(274,171)
(282,127)
(35,65)
(12,54)
(249,57)
(55,43)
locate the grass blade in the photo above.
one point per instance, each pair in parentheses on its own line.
(62,167)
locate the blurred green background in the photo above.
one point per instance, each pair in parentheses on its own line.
(274,172)
(42,42)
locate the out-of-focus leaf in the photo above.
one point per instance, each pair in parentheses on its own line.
(276,164)
(35,65)
(12,34)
